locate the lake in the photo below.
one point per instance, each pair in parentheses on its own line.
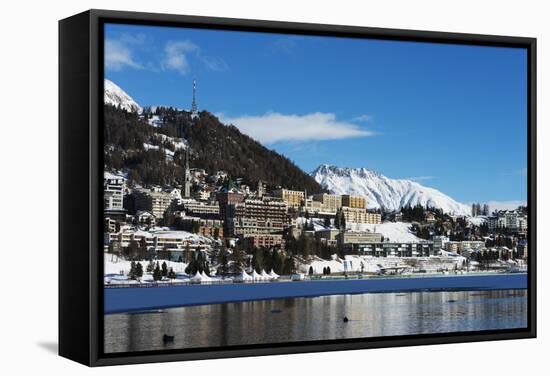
(316,318)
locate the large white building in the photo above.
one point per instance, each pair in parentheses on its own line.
(157,240)
(293,199)
(357,215)
(155,200)
(113,191)
(509,219)
(329,203)
(439,242)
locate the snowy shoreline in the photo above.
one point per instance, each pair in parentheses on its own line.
(131,299)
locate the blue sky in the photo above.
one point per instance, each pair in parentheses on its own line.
(449,116)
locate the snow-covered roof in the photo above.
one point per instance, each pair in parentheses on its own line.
(112,176)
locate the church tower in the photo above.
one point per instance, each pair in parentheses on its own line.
(194,110)
(187,178)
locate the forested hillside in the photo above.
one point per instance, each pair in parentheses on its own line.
(155,154)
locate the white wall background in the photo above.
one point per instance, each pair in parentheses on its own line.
(28,89)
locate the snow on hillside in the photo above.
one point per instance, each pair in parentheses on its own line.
(318,223)
(179,144)
(392,231)
(115,265)
(383,192)
(117,97)
(369,264)
(477,221)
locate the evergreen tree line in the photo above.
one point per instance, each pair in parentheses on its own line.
(136,270)
(418,213)
(214,147)
(478,209)
(198,263)
(307,246)
(257,258)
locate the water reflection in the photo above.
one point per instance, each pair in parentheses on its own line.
(306,319)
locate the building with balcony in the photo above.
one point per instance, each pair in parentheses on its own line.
(357,202)
(294,199)
(154,201)
(329,203)
(256,216)
(264,241)
(356,215)
(113,196)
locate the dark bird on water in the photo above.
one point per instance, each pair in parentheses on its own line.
(166,338)
(346,319)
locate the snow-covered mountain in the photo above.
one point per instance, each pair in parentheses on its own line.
(383,192)
(116,96)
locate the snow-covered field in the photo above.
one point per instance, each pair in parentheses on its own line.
(116,265)
(116,269)
(392,231)
(375,264)
(477,221)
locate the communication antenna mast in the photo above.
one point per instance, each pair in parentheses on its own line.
(194,111)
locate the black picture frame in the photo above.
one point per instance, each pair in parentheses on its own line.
(80,140)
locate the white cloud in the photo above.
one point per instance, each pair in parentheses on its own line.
(363,118)
(119,56)
(275,127)
(214,63)
(176,56)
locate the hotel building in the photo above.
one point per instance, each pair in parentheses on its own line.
(356,215)
(357,202)
(330,203)
(293,199)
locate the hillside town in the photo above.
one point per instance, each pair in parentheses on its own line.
(202,224)
(218,226)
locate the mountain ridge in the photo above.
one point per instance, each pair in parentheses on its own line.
(384,192)
(146,144)
(116,96)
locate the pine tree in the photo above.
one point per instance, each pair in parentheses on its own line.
(278,262)
(237,259)
(343,221)
(171,274)
(139,270)
(132,272)
(188,253)
(223,268)
(157,275)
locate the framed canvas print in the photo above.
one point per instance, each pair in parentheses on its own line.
(238,187)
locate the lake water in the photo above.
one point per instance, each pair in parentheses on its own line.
(318,318)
